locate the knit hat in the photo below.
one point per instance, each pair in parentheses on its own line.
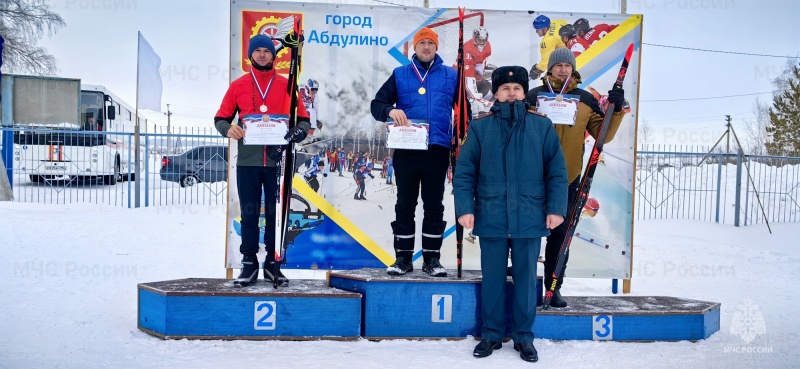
(426,33)
(260,41)
(561,55)
(509,74)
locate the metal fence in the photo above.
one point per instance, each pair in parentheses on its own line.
(725,188)
(189,166)
(184,166)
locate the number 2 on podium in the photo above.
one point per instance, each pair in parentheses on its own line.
(442,308)
(264,315)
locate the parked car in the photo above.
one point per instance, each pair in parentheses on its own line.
(200,164)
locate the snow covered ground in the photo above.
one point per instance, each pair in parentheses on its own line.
(69,273)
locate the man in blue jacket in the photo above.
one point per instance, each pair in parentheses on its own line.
(424,89)
(510,187)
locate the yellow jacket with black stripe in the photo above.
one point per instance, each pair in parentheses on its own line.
(589,118)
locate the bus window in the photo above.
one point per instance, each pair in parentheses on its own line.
(92,110)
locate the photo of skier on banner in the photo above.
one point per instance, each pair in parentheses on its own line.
(308,94)
(260,92)
(360,176)
(310,175)
(563,79)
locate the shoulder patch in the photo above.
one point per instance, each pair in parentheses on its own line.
(532,111)
(484,115)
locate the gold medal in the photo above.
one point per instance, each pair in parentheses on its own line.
(421,90)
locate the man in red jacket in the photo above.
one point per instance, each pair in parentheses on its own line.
(253,95)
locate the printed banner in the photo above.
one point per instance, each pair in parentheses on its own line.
(351,50)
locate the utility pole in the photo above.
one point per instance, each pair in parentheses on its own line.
(623,6)
(169,138)
(728,126)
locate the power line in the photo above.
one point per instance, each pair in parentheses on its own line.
(720,51)
(688,118)
(386,2)
(695,121)
(193,107)
(706,98)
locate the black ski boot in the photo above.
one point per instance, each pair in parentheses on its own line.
(401,266)
(434,268)
(432,235)
(403,241)
(272,270)
(249,272)
(557,301)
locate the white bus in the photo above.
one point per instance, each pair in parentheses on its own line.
(89,150)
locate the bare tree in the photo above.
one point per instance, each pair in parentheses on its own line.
(755,130)
(22,24)
(645,133)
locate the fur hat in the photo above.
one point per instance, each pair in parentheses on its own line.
(260,41)
(561,55)
(426,33)
(509,74)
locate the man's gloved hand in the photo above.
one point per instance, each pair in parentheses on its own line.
(324,174)
(617,97)
(535,73)
(371,176)
(295,134)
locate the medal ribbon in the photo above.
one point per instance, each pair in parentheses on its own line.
(420,77)
(563,88)
(263,94)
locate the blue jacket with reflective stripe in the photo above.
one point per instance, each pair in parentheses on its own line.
(436,105)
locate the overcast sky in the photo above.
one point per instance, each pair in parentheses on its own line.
(191,37)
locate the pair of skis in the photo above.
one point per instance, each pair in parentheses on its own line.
(573,215)
(294,41)
(460,124)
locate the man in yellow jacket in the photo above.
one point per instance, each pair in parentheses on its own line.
(561,83)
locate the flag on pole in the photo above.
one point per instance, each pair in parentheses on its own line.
(148,95)
(1,51)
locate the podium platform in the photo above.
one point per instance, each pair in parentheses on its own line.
(629,318)
(370,304)
(214,309)
(417,306)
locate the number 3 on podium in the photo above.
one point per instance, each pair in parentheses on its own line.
(602,328)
